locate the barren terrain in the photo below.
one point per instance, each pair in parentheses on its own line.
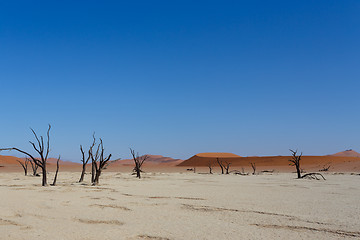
(180,206)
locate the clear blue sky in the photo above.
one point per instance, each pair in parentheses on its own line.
(178,77)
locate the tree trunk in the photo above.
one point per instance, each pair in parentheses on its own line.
(25,169)
(24,166)
(298,171)
(57,170)
(97,176)
(221,166)
(93,172)
(82,173)
(138,171)
(34,168)
(44,179)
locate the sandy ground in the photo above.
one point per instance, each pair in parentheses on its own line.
(180,206)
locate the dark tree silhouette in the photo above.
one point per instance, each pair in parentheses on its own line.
(42,149)
(99,161)
(34,167)
(226,165)
(295,161)
(86,160)
(325,168)
(56,173)
(254,168)
(138,162)
(221,165)
(210,167)
(313,176)
(24,165)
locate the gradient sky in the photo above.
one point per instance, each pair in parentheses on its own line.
(176,77)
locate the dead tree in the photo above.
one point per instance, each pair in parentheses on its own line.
(85,161)
(221,165)
(24,165)
(325,168)
(295,161)
(93,171)
(313,176)
(56,173)
(227,167)
(138,162)
(210,167)
(99,161)
(42,149)
(254,168)
(34,168)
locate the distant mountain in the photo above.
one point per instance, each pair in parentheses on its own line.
(347,153)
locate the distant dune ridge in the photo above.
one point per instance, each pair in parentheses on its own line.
(348,160)
(203,159)
(347,153)
(152,160)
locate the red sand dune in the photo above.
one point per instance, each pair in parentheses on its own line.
(344,161)
(347,153)
(8,160)
(10,163)
(338,163)
(203,159)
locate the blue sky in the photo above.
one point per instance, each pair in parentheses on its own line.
(177,77)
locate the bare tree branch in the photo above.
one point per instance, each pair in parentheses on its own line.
(253,166)
(138,162)
(40,150)
(57,170)
(313,176)
(295,161)
(98,161)
(221,165)
(210,167)
(24,165)
(227,166)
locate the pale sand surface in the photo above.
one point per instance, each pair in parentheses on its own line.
(180,206)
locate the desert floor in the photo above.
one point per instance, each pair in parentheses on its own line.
(180,206)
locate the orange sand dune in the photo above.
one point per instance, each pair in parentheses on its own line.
(10,164)
(315,163)
(203,159)
(10,160)
(6,160)
(347,153)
